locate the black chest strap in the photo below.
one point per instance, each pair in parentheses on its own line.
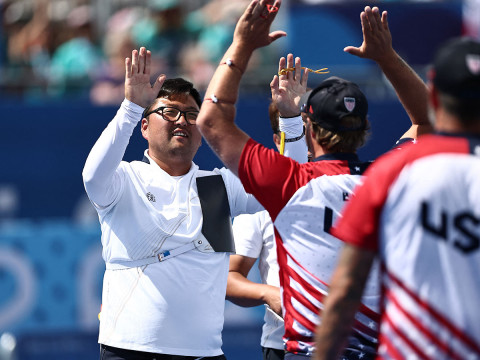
(217,222)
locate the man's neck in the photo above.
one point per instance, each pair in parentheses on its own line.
(172,165)
(320,151)
(447,123)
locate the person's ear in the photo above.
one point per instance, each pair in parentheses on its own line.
(433,96)
(308,129)
(144,127)
(432,90)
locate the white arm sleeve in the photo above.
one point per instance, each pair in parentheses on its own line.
(293,128)
(100,177)
(248,234)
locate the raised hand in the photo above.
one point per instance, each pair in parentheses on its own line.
(137,78)
(253,27)
(377,39)
(288,89)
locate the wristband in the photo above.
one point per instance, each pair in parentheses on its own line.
(230,64)
(216,100)
(296,138)
(290,117)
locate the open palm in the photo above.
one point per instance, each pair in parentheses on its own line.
(137,78)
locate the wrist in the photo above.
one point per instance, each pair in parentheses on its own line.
(266,294)
(289,115)
(388,59)
(240,50)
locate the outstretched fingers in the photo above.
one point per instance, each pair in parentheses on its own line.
(281,66)
(148,61)
(304,80)
(139,63)
(251,9)
(134,62)
(298,69)
(130,64)
(274,85)
(157,85)
(142,59)
(256,8)
(376,19)
(385,20)
(357,51)
(290,74)
(275,35)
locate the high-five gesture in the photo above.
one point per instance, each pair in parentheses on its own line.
(410,88)
(137,78)
(216,120)
(253,28)
(377,40)
(287,89)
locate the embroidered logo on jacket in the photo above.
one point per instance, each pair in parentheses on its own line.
(150,197)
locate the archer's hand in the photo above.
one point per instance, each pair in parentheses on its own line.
(253,27)
(377,39)
(137,78)
(288,89)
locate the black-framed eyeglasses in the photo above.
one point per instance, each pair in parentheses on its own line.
(173,114)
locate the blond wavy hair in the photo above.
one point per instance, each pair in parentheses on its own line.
(342,141)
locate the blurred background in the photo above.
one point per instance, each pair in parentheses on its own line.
(61,81)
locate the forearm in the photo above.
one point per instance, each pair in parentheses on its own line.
(410,88)
(225,82)
(107,153)
(246,293)
(216,118)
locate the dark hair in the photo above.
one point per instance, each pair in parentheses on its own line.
(273,114)
(467,111)
(176,88)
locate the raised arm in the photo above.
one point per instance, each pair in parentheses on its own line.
(217,115)
(99,173)
(410,88)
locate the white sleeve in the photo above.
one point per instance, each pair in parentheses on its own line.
(295,143)
(248,235)
(101,179)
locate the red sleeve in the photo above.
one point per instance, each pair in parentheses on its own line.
(269,176)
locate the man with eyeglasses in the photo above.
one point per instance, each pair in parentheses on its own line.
(166,226)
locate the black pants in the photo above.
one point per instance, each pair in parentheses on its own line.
(112,353)
(272,354)
(292,356)
(347,355)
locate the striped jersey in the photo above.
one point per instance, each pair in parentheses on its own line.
(419,208)
(303,201)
